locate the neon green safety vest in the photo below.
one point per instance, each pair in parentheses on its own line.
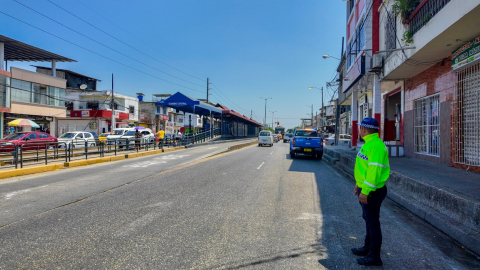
(372,167)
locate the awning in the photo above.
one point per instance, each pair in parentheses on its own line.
(187,104)
(19,51)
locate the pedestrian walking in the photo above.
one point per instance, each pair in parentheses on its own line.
(138,138)
(161,136)
(372,170)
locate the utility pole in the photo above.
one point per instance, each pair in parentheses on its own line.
(265,119)
(112,106)
(251,114)
(208,88)
(312,115)
(273,113)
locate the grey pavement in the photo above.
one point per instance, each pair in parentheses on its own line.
(250,209)
(460,182)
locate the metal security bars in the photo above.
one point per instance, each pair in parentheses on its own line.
(424,13)
(466,117)
(391,32)
(427,125)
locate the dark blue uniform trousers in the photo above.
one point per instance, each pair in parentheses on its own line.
(371,215)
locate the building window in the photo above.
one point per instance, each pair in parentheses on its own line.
(131,109)
(427,125)
(69,105)
(93,105)
(21,91)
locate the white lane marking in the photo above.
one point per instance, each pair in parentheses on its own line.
(137,224)
(11,194)
(260,166)
(212,147)
(271,153)
(144,164)
(8,196)
(155,161)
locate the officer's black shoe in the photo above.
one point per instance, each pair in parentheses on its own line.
(370,261)
(363,251)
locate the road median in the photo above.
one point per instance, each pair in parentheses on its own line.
(79,163)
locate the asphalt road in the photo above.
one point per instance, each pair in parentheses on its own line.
(250,209)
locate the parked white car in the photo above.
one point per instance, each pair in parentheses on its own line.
(77,139)
(147,137)
(265,138)
(116,134)
(342,137)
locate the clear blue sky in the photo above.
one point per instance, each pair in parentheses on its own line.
(249,49)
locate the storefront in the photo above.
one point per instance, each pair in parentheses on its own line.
(391,124)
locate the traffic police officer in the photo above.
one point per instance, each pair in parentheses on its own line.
(371,172)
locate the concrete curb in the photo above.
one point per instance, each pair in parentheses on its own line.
(243,145)
(456,216)
(30,170)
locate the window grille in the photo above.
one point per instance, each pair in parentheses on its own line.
(391,32)
(69,105)
(427,125)
(466,117)
(131,109)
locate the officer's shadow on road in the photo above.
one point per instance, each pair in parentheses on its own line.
(334,235)
(271,257)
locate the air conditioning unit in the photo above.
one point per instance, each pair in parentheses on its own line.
(377,63)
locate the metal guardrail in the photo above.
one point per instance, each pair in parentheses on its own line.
(18,154)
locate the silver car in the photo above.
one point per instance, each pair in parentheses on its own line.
(265,138)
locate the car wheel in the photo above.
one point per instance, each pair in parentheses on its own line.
(259,145)
(50,147)
(292,154)
(92,145)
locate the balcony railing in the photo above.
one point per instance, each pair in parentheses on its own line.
(424,12)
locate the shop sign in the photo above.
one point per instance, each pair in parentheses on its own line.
(365,110)
(142,116)
(467,54)
(117,114)
(350,118)
(92,125)
(85,113)
(362,100)
(164,117)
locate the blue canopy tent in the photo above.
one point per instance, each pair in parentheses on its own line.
(187,104)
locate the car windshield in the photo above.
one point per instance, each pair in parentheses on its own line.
(14,136)
(306,133)
(118,132)
(130,133)
(104,134)
(68,135)
(264,133)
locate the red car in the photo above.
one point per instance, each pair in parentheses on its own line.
(33,140)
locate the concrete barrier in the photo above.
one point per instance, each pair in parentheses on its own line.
(240,146)
(456,216)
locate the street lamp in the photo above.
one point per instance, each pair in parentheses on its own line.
(265,119)
(329,56)
(273,113)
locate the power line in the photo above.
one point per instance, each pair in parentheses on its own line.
(106,46)
(108,58)
(142,41)
(122,41)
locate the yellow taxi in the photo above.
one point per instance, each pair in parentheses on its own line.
(103,137)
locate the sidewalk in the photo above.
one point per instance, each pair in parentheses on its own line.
(446,197)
